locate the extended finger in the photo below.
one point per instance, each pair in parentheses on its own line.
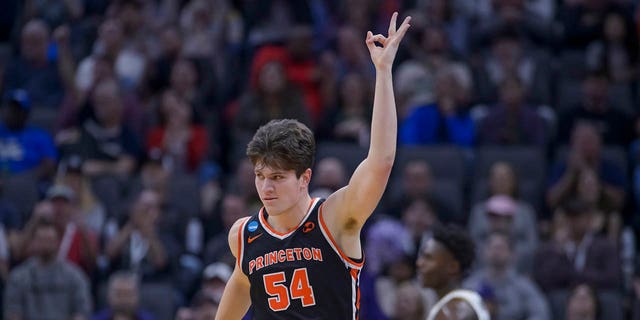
(404,27)
(392,24)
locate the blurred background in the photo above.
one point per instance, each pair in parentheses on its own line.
(124,124)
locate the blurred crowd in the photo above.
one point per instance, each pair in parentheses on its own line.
(124,126)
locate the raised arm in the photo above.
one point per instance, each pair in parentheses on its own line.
(348,208)
(235,299)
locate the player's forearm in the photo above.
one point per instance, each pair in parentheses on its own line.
(384,126)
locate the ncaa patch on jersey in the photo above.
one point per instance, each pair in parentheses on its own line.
(252,226)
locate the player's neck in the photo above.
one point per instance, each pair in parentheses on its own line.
(443,291)
(291,218)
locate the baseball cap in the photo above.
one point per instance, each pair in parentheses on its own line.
(20,97)
(217,270)
(60,191)
(501,205)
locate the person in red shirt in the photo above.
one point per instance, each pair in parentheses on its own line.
(181,142)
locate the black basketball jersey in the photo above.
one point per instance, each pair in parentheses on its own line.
(301,274)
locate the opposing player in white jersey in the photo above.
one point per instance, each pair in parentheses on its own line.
(443,261)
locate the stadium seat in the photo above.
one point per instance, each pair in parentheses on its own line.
(446,162)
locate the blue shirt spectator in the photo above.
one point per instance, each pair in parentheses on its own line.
(22,147)
(427,125)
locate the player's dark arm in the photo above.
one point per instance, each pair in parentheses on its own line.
(354,203)
(235,299)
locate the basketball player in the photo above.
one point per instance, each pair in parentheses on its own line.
(298,257)
(442,263)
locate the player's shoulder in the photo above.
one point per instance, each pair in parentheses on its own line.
(234,232)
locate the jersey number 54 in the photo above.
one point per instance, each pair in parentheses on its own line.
(281,296)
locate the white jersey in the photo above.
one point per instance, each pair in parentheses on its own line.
(473,299)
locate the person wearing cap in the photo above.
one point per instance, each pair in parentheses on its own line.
(516,296)
(24,148)
(79,244)
(502,213)
(215,277)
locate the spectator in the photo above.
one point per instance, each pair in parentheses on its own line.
(217,248)
(92,211)
(44,286)
(503,214)
(613,125)
(214,279)
(79,244)
(418,77)
(607,220)
(446,121)
(419,218)
(517,296)
(349,120)
(446,14)
(583,304)
(576,255)
(511,121)
(204,306)
(417,183)
(270,96)
(106,144)
(617,50)
(183,143)
(170,49)
(242,182)
(389,250)
(24,148)
(45,77)
(514,15)
(409,303)
(583,21)
(123,297)
(351,57)
(585,153)
(509,58)
(127,63)
(330,176)
(139,246)
(305,72)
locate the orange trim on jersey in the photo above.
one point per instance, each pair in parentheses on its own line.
(355,274)
(241,243)
(290,231)
(334,243)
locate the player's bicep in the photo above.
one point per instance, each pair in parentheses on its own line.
(365,189)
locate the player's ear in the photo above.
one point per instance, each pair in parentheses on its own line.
(306,177)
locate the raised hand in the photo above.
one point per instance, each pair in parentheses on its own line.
(382,57)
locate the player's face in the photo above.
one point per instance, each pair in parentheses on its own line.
(279,190)
(432,265)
